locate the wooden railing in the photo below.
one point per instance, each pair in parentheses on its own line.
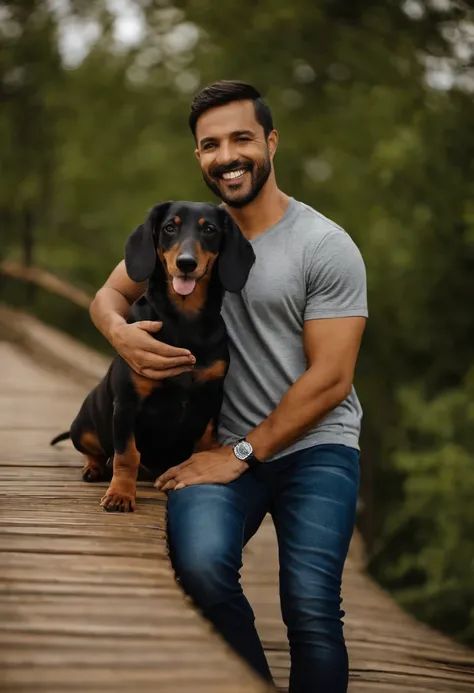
(45,280)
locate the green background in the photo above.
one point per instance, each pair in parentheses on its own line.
(374,105)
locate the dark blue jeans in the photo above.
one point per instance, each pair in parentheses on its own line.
(312,497)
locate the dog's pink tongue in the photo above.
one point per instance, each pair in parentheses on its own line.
(183,286)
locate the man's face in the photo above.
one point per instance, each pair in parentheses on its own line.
(235,157)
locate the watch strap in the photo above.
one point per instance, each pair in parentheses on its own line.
(252,461)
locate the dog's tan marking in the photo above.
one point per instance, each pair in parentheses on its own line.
(94,466)
(177,220)
(144,386)
(208,439)
(169,257)
(122,490)
(201,221)
(90,442)
(215,371)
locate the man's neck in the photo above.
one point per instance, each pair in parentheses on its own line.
(264,212)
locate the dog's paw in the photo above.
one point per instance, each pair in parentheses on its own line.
(117,499)
(92,472)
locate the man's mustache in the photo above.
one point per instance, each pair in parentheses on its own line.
(218,171)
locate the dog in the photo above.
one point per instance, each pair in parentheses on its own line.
(190,253)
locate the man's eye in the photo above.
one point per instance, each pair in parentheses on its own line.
(243,139)
(209,145)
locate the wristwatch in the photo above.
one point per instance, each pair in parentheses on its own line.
(244,452)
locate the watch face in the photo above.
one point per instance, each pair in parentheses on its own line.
(243,450)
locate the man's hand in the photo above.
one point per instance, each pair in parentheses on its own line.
(147,356)
(211,467)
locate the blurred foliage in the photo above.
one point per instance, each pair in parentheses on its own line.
(374,104)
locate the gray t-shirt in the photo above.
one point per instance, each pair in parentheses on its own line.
(306,268)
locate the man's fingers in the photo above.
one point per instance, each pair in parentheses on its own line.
(172,473)
(178,361)
(149,325)
(160,347)
(166,476)
(169,486)
(175,484)
(166,350)
(191,480)
(171,351)
(163,363)
(182,476)
(160,374)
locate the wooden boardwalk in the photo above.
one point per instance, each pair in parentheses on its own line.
(88,602)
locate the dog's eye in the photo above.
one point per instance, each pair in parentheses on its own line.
(169,228)
(209,230)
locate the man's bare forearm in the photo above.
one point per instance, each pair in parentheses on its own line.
(109,310)
(305,403)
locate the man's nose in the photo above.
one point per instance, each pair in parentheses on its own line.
(227,153)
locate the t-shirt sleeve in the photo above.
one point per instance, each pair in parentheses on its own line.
(336,283)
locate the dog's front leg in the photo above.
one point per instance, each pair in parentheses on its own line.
(120,495)
(208,440)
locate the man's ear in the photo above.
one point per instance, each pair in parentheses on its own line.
(140,248)
(272,142)
(236,257)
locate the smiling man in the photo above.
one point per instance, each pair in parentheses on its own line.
(239,183)
(290,420)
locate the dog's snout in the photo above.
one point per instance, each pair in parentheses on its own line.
(186,263)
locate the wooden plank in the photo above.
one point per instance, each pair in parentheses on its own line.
(88,600)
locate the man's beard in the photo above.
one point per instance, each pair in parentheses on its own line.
(259,172)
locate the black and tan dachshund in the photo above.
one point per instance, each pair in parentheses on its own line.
(190,253)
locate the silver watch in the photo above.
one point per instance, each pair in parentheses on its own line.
(243,450)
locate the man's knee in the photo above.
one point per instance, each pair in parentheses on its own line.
(207,570)
(205,530)
(312,613)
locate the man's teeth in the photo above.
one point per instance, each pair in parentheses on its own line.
(233,174)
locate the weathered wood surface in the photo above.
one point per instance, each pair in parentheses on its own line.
(45,280)
(87,599)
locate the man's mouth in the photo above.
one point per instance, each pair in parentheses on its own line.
(234,175)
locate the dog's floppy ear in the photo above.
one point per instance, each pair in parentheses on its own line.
(236,257)
(140,250)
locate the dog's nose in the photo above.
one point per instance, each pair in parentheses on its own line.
(186,263)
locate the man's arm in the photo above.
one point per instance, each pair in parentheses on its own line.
(111,305)
(134,342)
(331,348)
(334,321)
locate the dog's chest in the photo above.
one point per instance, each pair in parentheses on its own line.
(176,413)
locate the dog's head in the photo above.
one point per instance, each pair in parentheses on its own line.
(188,238)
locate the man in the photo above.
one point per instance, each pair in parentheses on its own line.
(290,419)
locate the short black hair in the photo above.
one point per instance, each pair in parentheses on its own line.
(224,92)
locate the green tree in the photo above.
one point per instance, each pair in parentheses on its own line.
(365,139)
